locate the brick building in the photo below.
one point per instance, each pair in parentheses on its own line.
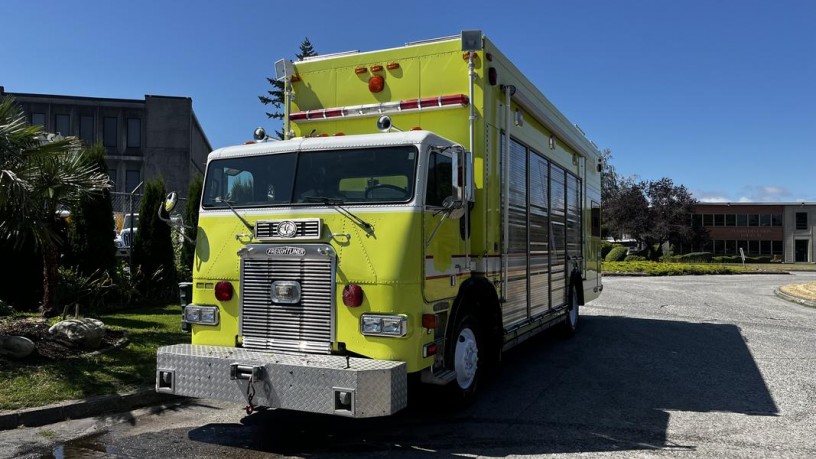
(784,231)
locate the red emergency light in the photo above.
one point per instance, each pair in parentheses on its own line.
(356,111)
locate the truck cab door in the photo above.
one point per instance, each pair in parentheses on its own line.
(442,239)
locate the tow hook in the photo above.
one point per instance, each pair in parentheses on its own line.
(251,374)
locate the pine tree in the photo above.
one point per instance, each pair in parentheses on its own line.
(91,230)
(191,221)
(153,247)
(276,96)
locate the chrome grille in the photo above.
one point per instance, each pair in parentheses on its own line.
(302,327)
(306,229)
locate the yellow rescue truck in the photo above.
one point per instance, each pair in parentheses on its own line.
(428,210)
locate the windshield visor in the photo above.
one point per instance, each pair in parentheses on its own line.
(360,176)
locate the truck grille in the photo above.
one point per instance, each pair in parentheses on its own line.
(302,327)
(307,228)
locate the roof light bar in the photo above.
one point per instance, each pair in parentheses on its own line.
(357,111)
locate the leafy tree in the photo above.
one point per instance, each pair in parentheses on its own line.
(610,181)
(153,247)
(626,211)
(38,178)
(276,96)
(191,220)
(90,233)
(671,208)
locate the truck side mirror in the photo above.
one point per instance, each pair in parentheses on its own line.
(170,202)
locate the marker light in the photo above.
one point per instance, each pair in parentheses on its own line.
(223,291)
(352,295)
(376,68)
(360,70)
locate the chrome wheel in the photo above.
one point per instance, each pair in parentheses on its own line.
(466,358)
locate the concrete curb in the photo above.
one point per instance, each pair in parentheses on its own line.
(794,299)
(85,408)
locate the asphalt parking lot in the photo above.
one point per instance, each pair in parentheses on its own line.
(707,366)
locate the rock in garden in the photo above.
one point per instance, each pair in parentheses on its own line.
(16,347)
(85,333)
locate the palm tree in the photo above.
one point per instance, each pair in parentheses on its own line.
(38,178)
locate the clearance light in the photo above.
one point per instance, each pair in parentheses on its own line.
(205,315)
(294,79)
(392,66)
(376,84)
(223,291)
(451,101)
(383,325)
(360,70)
(376,68)
(352,295)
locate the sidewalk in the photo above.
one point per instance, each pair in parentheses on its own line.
(76,409)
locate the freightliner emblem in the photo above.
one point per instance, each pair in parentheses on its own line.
(298,251)
(287,229)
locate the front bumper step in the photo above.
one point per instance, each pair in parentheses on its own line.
(327,384)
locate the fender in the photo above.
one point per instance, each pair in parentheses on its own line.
(473,291)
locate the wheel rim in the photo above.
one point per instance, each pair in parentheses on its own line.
(466,358)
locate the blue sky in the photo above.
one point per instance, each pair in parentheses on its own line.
(720,96)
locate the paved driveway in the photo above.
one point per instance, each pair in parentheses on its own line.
(709,366)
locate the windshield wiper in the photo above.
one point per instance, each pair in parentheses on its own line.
(246,223)
(337,204)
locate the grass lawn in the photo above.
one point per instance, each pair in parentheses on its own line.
(26,385)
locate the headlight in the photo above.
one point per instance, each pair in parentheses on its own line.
(383,325)
(206,315)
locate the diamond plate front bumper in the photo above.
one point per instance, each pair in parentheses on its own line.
(325,384)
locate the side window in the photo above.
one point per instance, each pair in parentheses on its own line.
(440,185)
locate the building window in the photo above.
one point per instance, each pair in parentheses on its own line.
(697,220)
(777,247)
(132,179)
(86,129)
(753,220)
(801,221)
(753,247)
(765,220)
(38,119)
(776,220)
(765,247)
(134,133)
(109,134)
(708,220)
(742,220)
(62,125)
(719,220)
(730,220)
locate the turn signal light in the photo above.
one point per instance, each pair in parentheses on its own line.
(429,321)
(352,295)
(223,291)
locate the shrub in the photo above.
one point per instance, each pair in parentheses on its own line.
(634,258)
(84,290)
(606,247)
(616,254)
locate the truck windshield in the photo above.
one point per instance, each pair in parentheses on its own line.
(358,176)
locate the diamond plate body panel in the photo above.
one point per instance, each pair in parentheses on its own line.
(295,382)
